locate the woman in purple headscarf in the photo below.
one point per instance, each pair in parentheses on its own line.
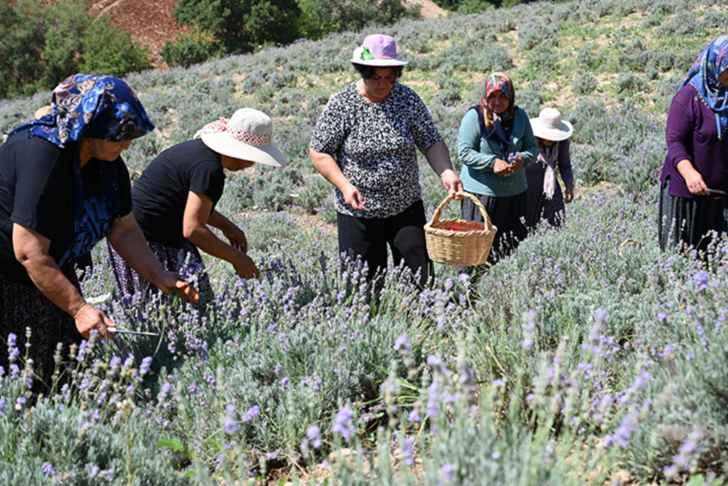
(64,187)
(694,177)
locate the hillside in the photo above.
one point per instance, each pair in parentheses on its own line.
(588,357)
(151,23)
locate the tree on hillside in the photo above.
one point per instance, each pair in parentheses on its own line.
(40,46)
(240,25)
(21,44)
(323,16)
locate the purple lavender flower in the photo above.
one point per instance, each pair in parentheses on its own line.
(408,450)
(19,403)
(284,383)
(250,414)
(445,474)
(230,425)
(13,351)
(700,280)
(48,470)
(106,474)
(92,470)
(414,416)
(144,367)
(314,435)
(433,399)
(402,343)
(342,423)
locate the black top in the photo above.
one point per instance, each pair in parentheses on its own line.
(160,194)
(36,191)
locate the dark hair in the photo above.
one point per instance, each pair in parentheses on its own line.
(367,72)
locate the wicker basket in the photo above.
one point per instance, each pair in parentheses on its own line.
(466,244)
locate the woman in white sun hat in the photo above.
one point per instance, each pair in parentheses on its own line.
(544,193)
(174,200)
(365,143)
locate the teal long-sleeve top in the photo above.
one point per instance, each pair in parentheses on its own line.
(478,156)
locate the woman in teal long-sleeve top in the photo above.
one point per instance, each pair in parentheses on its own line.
(495,143)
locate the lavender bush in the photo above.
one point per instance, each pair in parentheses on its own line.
(585,352)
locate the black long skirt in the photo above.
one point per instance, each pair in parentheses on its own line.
(26,307)
(508,215)
(686,223)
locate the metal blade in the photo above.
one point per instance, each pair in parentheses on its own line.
(115,330)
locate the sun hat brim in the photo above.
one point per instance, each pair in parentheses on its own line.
(381,62)
(548,133)
(222,143)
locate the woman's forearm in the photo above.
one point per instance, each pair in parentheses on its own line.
(31,250)
(327,167)
(438,156)
(204,239)
(219,221)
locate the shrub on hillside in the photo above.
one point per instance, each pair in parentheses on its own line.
(585,84)
(110,50)
(190,48)
(41,46)
(240,26)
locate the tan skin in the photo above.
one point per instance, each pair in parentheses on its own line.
(32,251)
(498,104)
(569,190)
(375,90)
(693,179)
(197,217)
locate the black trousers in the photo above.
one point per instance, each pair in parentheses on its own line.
(404,233)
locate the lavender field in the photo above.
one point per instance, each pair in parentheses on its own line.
(588,357)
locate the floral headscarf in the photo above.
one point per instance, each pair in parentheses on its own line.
(489,126)
(91,106)
(501,82)
(704,76)
(94,106)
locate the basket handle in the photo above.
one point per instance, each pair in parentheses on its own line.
(450,197)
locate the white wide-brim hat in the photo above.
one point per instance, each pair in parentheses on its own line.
(247,135)
(377,50)
(550,126)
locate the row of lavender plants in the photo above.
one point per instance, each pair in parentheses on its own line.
(587,352)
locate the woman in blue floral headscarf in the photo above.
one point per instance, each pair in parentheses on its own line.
(693,200)
(64,187)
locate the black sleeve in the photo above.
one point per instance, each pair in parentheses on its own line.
(207,177)
(44,185)
(124,181)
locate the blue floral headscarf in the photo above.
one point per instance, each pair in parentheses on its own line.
(92,106)
(704,76)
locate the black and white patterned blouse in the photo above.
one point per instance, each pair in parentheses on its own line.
(375,145)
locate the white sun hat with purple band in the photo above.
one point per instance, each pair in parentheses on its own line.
(248,135)
(377,50)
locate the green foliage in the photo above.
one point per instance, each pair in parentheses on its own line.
(242,25)
(321,17)
(190,48)
(21,42)
(585,84)
(110,50)
(41,46)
